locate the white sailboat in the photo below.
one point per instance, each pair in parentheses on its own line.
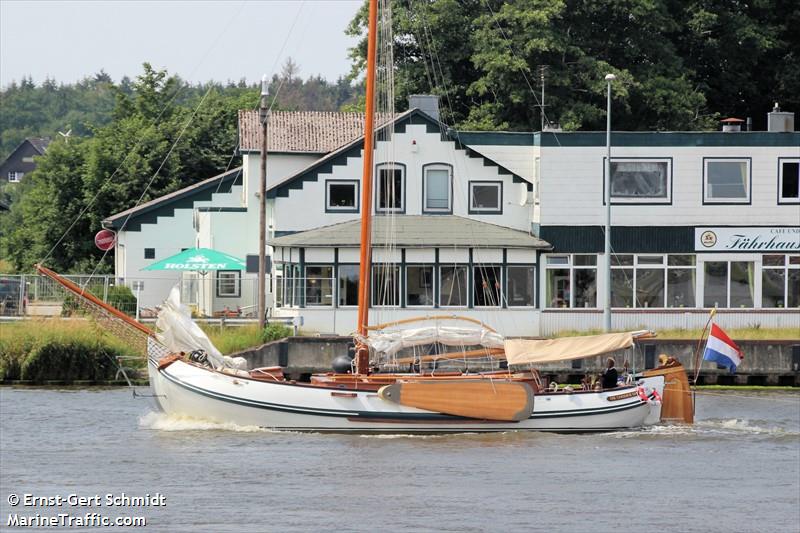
(190,378)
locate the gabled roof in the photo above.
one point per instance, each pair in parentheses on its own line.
(316,132)
(325,164)
(39,143)
(415,231)
(181,198)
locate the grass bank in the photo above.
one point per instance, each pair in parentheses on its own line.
(740,334)
(67,350)
(70,350)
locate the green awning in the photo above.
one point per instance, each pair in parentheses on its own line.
(198,259)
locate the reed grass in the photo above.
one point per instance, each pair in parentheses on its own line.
(231,339)
(737,334)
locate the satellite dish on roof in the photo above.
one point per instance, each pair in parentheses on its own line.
(525,196)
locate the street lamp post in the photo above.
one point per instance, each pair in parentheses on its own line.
(607,196)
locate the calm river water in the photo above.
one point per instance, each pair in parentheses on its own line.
(737,469)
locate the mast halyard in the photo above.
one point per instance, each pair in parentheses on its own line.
(365,270)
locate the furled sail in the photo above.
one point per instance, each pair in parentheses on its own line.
(524,351)
(389,342)
(178,332)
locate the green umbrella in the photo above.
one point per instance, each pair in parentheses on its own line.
(198,259)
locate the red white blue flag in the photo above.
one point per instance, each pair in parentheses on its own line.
(722,350)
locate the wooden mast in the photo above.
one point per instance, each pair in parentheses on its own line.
(365,270)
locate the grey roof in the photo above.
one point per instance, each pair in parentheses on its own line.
(415,231)
(117,220)
(39,143)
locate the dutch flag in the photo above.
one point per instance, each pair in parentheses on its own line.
(722,350)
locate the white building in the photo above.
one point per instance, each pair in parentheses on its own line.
(508,227)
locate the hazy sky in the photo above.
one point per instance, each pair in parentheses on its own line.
(199,40)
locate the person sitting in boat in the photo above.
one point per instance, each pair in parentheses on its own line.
(610,374)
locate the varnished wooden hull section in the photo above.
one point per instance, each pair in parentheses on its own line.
(676,402)
(479,399)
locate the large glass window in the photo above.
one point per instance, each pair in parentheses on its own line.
(453,283)
(622,281)
(726,180)
(385,285)
(789,180)
(488,286)
(780,281)
(642,180)
(681,280)
(437,189)
(520,286)
(390,189)
(419,285)
(485,197)
(342,196)
(729,284)
(348,285)
(571,281)
(319,285)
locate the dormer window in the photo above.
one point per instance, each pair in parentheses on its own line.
(390,194)
(486,197)
(341,196)
(437,188)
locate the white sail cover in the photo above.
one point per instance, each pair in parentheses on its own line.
(178,332)
(524,351)
(390,342)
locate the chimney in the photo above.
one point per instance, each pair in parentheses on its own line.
(780,121)
(427,103)
(731,125)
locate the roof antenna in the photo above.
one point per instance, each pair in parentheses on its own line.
(542,71)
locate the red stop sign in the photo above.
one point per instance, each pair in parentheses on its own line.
(104,239)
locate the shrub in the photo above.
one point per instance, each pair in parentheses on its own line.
(273,332)
(121,297)
(69,361)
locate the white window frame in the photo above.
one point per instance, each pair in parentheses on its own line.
(567,262)
(438,210)
(440,284)
(15,176)
(643,199)
(390,166)
(533,287)
(500,278)
(781,198)
(747,187)
(237,279)
(486,210)
(432,287)
(338,208)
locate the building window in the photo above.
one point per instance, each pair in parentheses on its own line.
(520,286)
(348,285)
(726,180)
(341,196)
(485,197)
(15,177)
(229,284)
(681,280)
(453,283)
(289,285)
(390,190)
(385,285)
(789,181)
(729,284)
(437,189)
(641,180)
(319,285)
(149,253)
(780,281)
(571,281)
(419,285)
(642,281)
(488,286)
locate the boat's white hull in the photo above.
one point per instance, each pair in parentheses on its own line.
(188,390)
